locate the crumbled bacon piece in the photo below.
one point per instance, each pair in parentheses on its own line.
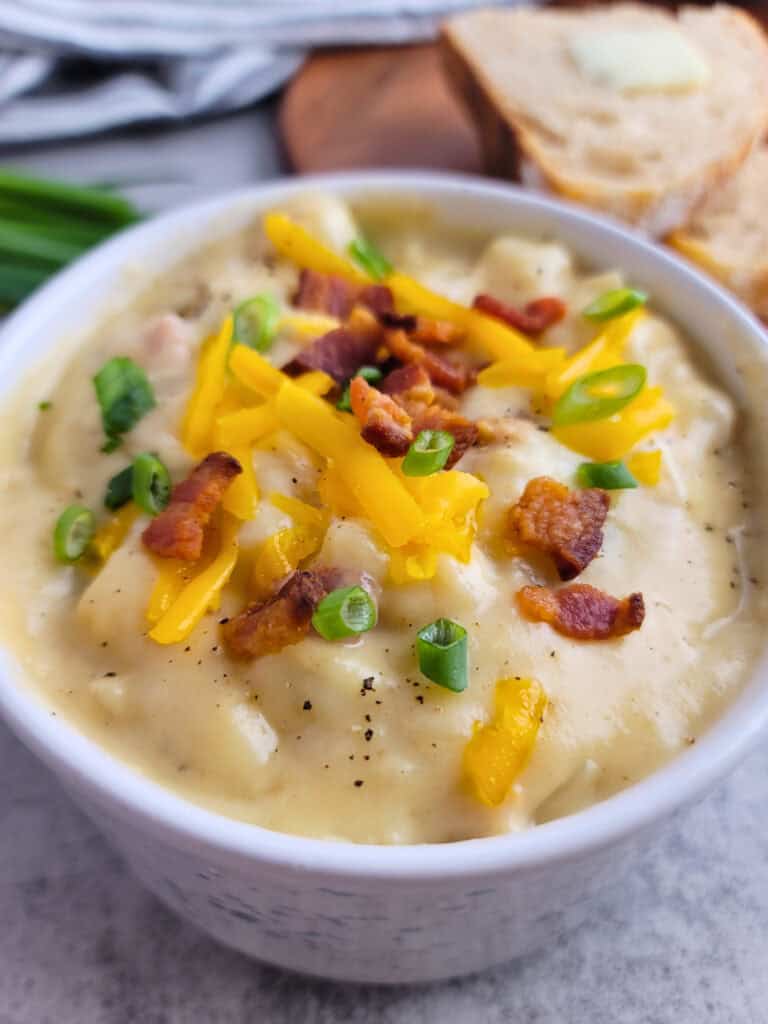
(363,321)
(533,318)
(284,619)
(324,293)
(328,293)
(376,297)
(436,332)
(385,424)
(399,321)
(424,330)
(568,525)
(464,431)
(410,386)
(178,531)
(455,377)
(339,353)
(582,612)
(446,399)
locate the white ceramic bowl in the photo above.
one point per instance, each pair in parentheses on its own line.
(375,913)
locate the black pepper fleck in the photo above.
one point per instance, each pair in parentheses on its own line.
(420,698)
(368,735)
(307,705)
(358,782)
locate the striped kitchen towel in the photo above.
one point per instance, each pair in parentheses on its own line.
(75,67)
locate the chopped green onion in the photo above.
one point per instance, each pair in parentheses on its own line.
(345,612)
(17,281)
(442,651)
(32,221)
(151,483)
(428,453)
(370,373)
(74,529)
(56,196)
(610,476)
(46,224)
(119,489)
(44,406)
(369,258)
(40,247)
(614,303)
(125,395)
(599,395)
(256,321)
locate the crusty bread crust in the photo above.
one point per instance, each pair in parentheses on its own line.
(753,291)
(512,147)
(728,235)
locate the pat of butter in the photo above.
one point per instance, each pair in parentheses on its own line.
(639,60)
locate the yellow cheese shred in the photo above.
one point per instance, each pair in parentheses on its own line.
(282,553)
(381,495)
(246,426)
(172,575)
(498,752)
(295,243)
(604,351)
(308,325)
(612,438)
(645,467)
(202,591)
(197,426)
(491,336)
(110,535)
(242,496)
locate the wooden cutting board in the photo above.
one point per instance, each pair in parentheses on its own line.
(383,106)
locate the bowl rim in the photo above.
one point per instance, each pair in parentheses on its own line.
(114,783)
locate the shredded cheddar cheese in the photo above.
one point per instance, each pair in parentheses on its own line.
(242,496)
(645,467)
(111,535)
(296,244)
(611,438)
(499,751)
(202,592)
(210,386)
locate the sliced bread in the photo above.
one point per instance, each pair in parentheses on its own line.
(728,234)
(627,108)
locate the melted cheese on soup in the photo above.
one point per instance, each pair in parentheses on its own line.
(347,740)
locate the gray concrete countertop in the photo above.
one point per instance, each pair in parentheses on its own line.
(683,942)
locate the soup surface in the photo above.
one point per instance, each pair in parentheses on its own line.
(584,622)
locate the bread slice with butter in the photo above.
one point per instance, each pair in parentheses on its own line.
(627,108)
(728,234)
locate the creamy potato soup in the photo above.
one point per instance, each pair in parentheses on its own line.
(358,528)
